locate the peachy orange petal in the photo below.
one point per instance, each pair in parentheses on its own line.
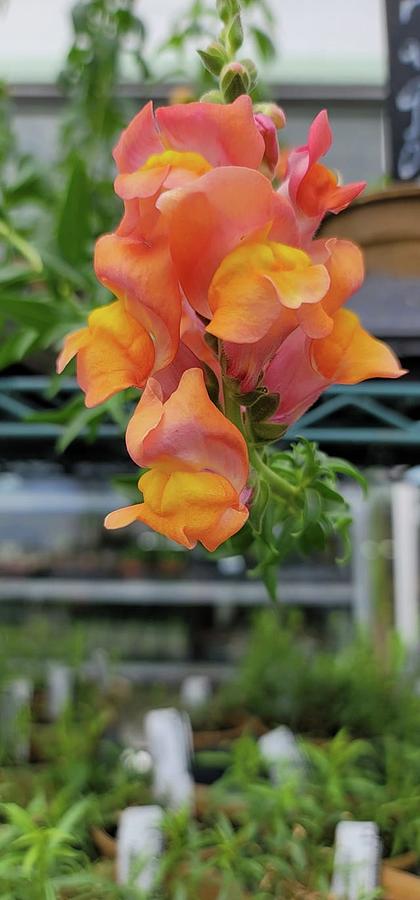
(142,275)
(350,354)
(216,214)
(114,352)
(226,134)
(186,432)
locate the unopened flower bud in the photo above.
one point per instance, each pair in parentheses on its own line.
(213,58)
(234,81)
(234,35)
(252,71)
(268,132)
(227,8)
(273,111)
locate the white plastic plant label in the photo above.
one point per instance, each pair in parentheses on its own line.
(59,689)
(139,845)
(356,860)
(281,752)
(100,668)
(195,691)
(15,713)
(169,738)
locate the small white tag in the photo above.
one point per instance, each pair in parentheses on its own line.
(356,860)
(59,689)
(231,565)
(139,845)
(195,691)
(15,712)
(100,668)
(169,737)
(281,751)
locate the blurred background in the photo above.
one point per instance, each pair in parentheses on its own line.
(128,621)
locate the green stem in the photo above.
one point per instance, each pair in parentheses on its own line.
(232,409)
(278,484)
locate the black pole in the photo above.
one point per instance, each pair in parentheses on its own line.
(403,17)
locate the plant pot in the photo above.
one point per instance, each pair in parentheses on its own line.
(105,843)
(220,739)
(206,804)
(17,783)
(400,884)
(387,226)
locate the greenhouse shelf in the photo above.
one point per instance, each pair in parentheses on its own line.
(168,672)
(171,593)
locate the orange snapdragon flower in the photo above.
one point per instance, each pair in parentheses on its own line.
(304,368)
(312,188)
(236,249)
(177,144)
(198,466)
(113,352)
(343,261)
(128,340)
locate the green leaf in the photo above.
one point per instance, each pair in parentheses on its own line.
(269,577)
(73,817)
(234,35)
(34,313)
(83,419)
(268,431)
(264,43)
(213,59)
(59,267)
(16,346)
(259,505)
(21,245)
(264,407)
(342,467)
(15,273)
(17,816)
(312,506)
(73,230)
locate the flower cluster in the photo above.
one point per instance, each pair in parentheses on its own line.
(221,288)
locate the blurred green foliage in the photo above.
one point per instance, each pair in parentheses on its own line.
(284,679)
(360,716)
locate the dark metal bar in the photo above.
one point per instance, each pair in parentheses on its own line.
(294,93)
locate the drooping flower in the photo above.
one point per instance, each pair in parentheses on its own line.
(177,144)
(269,118)
(304,368)
(313,188)
(198,464)
(113,352)
(126,341)
(344,264)
(141,273)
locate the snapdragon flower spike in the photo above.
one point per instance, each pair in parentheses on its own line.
(198,466)
(303,368)
(178,144)
(313,188)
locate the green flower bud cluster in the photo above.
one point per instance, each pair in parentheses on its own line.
(235,77)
